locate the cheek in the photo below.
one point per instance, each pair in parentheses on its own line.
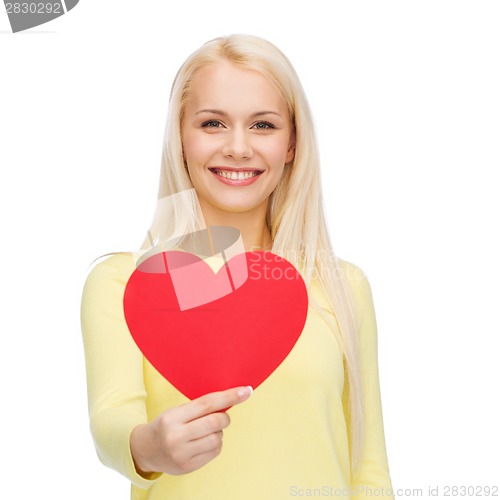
(197,148)
(190,146)
(276,153)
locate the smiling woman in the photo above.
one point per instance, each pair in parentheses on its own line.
(240,135)
(236,131)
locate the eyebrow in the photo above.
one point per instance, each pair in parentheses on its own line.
(222,113)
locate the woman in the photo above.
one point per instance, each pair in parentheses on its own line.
(240,133)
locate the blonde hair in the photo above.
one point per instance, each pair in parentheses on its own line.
(295,216)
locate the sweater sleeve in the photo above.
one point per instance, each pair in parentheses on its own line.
(372,478)
(114,366)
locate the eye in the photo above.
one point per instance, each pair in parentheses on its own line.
(211,124)
(264,126)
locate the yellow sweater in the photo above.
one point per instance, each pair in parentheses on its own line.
(288,440)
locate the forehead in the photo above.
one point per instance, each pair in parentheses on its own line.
(227,86)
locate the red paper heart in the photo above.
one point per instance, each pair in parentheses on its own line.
(236,340)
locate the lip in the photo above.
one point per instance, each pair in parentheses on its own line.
(235,182)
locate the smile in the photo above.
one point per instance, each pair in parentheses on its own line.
(235,177)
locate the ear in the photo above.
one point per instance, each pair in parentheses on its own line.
(290,155)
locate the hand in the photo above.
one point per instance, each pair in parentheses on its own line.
(184,438)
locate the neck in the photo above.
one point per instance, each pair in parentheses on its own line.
(251,224)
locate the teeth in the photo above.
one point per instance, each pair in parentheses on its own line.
(237,176)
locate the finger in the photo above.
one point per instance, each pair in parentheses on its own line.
(215,401)
(205,444)
(201,459)
(197,453)
(209,424)
(199,446)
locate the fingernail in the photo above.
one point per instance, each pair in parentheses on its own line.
(245,391)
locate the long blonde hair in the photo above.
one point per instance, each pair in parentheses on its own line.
(295,216)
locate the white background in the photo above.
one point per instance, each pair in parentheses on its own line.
(406,102)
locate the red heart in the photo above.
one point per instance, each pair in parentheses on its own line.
(236,340)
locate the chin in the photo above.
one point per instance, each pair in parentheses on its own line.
(237,205)
(235,208)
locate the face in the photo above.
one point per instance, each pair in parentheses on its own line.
(236,136)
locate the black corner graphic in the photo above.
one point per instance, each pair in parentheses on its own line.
(70,4)
(24,14)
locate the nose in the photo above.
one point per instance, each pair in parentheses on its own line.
(237,145)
